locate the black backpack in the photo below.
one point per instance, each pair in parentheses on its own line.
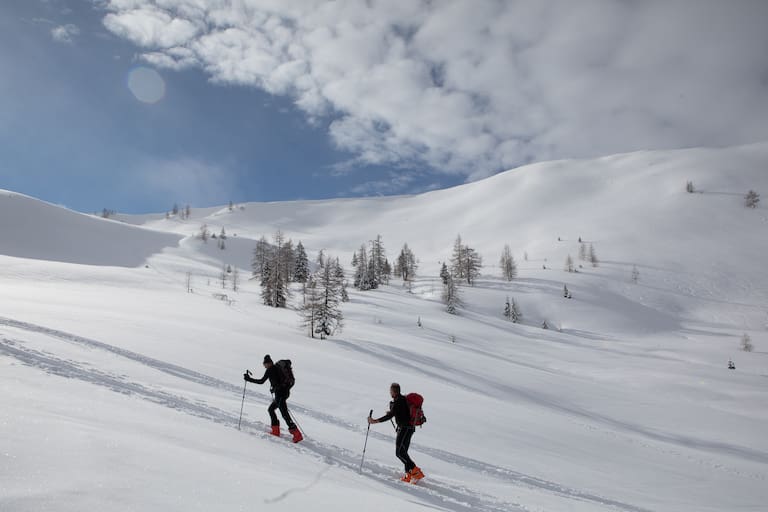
(285,368)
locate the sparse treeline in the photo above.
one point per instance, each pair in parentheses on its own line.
(277,264)
(371,266)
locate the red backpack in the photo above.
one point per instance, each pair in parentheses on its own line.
(415,401)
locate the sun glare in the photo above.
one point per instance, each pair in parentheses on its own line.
(146,84)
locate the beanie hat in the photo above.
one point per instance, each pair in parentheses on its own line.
(267,359)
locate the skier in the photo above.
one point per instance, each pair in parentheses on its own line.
(399,409)
(281,393)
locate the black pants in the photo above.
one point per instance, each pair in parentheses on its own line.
(281,396)
(402,443)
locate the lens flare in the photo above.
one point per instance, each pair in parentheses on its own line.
(146,85)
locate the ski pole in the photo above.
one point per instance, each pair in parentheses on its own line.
(248,372)
(370,415)
(293,418)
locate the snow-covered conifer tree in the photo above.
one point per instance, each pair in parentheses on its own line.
(378,262)
(444,274)
(287,260)
(340,276)
(362,274)
(751,199)
(635,274)
(515,314)
(328,311)
(204,233)
(451,297)
(301,264)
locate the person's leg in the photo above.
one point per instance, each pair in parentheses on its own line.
(282,402)
(403,441)
(271,410)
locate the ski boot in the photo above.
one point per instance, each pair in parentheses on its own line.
(275,430)
(296,434)
(416,474)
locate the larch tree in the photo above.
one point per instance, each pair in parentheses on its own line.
(274,281)
(405,265)
(328,311)
(261,254)
(593,256)
(507,264)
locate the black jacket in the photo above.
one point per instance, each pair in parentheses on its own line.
(399,409)
(275,376)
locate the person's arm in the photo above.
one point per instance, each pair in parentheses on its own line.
(258,381)
(386,417)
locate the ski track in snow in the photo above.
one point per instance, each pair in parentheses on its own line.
(427,366)
(446,495)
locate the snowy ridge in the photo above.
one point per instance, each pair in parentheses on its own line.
(122,390)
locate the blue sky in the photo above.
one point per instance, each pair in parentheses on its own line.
(73,133)
(274,100)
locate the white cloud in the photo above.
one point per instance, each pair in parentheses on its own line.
(472,87)
(65,33)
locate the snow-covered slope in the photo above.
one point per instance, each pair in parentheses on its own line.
(121,390)
(34,229)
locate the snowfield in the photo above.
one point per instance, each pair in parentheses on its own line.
(121,391)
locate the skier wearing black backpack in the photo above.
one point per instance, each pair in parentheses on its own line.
(401,411)
(281,380)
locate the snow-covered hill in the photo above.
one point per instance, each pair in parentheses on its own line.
(121,389)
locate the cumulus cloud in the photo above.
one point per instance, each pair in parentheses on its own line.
(474,87)
(65,33)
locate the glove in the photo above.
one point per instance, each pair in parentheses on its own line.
(247,378)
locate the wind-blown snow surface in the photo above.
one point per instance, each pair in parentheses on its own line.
(120,390)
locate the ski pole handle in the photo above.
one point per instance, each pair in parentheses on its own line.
(248,372)
(370,414)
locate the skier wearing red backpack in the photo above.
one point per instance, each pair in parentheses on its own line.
(281,380)
(407,417)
